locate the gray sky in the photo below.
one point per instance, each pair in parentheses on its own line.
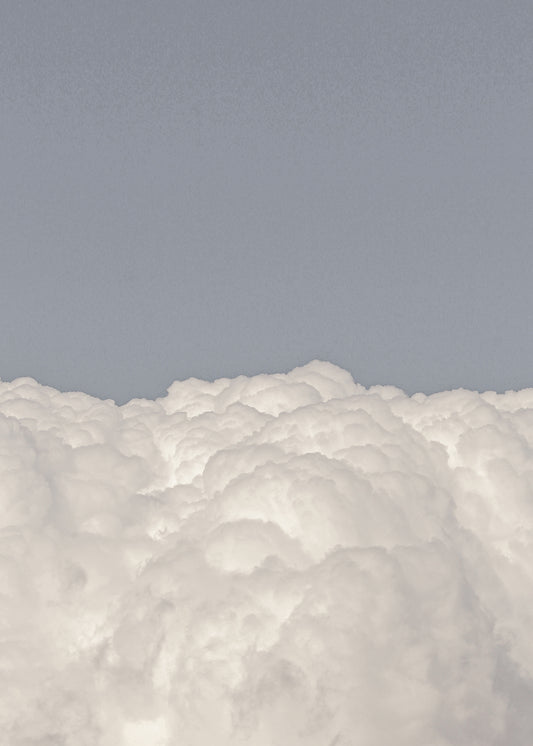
(220,187)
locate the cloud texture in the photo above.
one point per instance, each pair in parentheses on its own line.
(271,561)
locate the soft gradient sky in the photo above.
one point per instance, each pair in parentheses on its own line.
(210,188)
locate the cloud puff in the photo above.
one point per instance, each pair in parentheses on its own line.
(285,559)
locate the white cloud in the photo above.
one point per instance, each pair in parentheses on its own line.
(285,559)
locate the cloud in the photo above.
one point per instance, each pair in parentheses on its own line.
(285,559)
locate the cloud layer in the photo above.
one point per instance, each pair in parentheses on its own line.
(272,561)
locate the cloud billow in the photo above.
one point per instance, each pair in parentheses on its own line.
(279,560)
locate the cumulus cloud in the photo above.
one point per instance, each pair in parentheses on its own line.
(272,561)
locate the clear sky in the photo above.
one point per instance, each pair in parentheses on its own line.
(214,187)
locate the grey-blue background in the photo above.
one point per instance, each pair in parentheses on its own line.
(218,187)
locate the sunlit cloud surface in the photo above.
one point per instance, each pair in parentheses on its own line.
(271,561)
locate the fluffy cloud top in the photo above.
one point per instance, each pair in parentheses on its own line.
(271,561)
